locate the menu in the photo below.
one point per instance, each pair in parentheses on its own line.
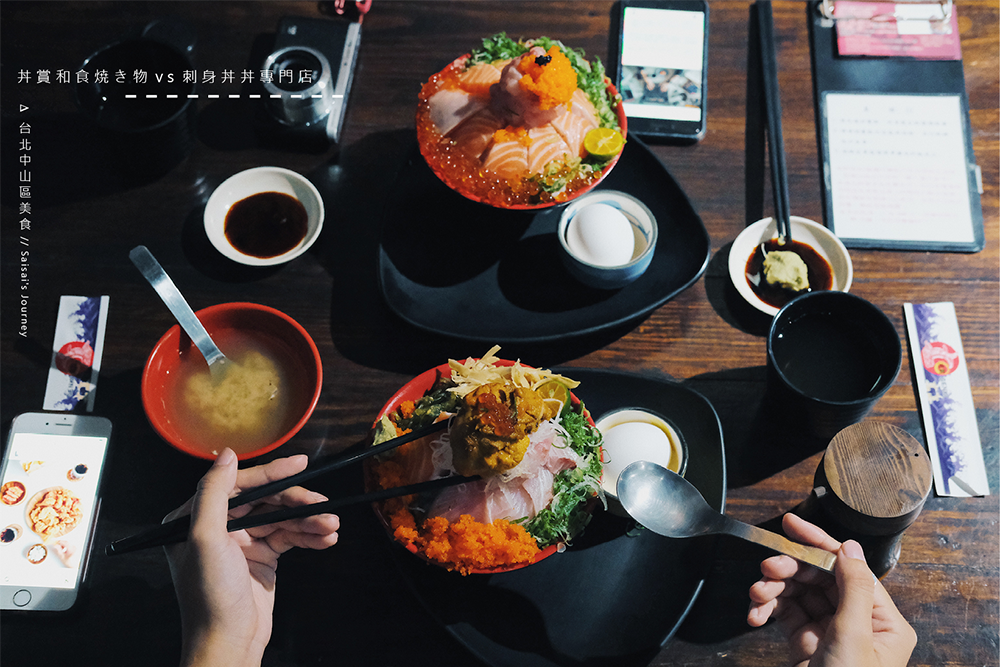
(897,167)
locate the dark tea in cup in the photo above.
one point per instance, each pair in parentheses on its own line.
(830,357)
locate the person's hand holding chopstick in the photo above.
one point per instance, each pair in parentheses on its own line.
(225,580)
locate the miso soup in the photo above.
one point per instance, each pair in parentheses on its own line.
(260,396)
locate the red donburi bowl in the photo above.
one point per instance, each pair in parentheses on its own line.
(294,352)
(461,188)
(414,390)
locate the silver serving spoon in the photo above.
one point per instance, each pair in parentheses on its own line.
(669,505)
(192,326)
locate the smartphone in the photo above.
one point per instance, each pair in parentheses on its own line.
(661,56)
(49,500)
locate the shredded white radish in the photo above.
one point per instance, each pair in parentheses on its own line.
(474,373)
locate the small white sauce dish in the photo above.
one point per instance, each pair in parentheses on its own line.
(806,231)
(255,181)
(635,434)
(607,238)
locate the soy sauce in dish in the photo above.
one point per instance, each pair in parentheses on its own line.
(819,271)
(266,224)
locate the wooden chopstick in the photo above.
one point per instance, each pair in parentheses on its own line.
(772,100)
(180,526)
(177,530)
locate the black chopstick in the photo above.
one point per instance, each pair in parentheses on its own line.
(180,526)
(177,530)
(265,490)
(772,99)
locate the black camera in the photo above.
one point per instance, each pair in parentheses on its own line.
(305,81)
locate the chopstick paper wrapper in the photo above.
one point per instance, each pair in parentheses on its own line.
(177,530)
(76,353)
(946,405)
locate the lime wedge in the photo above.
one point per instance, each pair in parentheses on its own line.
(603,142)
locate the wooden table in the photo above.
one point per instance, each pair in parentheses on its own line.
(87,216)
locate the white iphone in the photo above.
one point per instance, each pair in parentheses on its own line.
(49,499)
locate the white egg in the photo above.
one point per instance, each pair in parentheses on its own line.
(600,234)
(630,442)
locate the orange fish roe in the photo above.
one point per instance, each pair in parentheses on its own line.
(511,133)
(406,409)
(467,544)
(391,474)
(553,80)
(404,527)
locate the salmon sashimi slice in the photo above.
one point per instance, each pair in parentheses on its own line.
(449,107)
(474,135)
(546,145)
(573,128)
(507,159)
(581,105)
(478,78)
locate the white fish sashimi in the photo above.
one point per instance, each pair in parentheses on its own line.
(449,107)
(521,492)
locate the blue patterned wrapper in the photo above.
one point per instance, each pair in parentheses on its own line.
(77,348)
(946,404)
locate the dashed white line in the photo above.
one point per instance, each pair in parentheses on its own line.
(215,96)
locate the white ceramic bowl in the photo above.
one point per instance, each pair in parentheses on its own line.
(255,181)
(668,449)
(644,230)
(813,234)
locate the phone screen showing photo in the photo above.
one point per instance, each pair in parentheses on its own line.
(662,60)
(47,499)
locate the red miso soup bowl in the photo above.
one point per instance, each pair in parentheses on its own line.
(268,392)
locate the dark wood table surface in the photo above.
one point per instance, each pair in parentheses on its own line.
(348,606)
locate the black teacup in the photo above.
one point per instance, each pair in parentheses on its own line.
(150,123)
(830,357)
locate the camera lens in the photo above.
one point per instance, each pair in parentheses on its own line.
(300,87)
(294,71)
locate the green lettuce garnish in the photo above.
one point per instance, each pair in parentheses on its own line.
(425,411)
(568,514)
